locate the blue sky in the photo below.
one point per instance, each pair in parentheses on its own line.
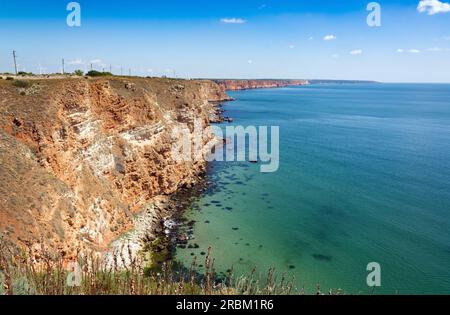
(233,39)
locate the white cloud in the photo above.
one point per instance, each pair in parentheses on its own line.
(250,62)
(432,7)
(329,37)
(411,51)
(233,21)
(335,56)
(291,46)
(96,61)
(356,52)
(75,62)
(310,38)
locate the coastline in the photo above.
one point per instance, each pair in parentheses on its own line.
(237,85)
(102,148)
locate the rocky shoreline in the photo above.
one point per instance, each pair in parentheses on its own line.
(157,231)
(160,227)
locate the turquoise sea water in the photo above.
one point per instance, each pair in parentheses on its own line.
(364,177)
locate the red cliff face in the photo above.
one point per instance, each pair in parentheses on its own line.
(233,85)
(80,157)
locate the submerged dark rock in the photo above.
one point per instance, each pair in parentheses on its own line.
(322,257)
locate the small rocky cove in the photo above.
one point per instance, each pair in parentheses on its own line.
(159,229)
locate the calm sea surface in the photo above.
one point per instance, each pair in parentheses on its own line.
(364,177)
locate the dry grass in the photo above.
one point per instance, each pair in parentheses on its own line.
(50,276)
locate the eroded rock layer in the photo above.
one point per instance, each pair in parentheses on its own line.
(80,157)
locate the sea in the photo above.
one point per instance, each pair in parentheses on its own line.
(363,181)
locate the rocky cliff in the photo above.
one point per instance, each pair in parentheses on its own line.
(232,85)
(79,158)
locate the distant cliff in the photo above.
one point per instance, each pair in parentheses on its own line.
(233,85)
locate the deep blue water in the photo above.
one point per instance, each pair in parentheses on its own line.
(364,177)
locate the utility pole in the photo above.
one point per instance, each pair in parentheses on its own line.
(91,66)
(110,69)
(63,66)
(121,71)
(15,62)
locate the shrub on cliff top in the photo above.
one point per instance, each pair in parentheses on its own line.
(21,84)
(94,73)
(23,73)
